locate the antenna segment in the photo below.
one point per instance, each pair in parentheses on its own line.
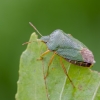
(35,28)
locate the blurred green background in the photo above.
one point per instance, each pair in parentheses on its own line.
(81,18)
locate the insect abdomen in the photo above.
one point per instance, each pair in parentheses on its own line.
(79,63)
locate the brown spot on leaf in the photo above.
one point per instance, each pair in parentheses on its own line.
(80,87)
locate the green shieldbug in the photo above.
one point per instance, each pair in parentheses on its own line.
(68,48)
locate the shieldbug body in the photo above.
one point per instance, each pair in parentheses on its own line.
(68,48)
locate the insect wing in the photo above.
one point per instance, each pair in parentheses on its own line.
(70,54)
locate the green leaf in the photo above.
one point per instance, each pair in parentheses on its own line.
(56,86)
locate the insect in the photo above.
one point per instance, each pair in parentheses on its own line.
(68,48)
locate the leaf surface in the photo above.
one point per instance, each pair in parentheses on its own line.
(56,86)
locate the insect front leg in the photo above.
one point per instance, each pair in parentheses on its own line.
(41,57)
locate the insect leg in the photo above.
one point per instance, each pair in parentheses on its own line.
(51,60)
(66,71)
(41,57)
(49,64)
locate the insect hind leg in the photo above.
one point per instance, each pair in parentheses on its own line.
(65,71)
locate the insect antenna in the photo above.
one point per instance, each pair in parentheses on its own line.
(35,28)
(28,42)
